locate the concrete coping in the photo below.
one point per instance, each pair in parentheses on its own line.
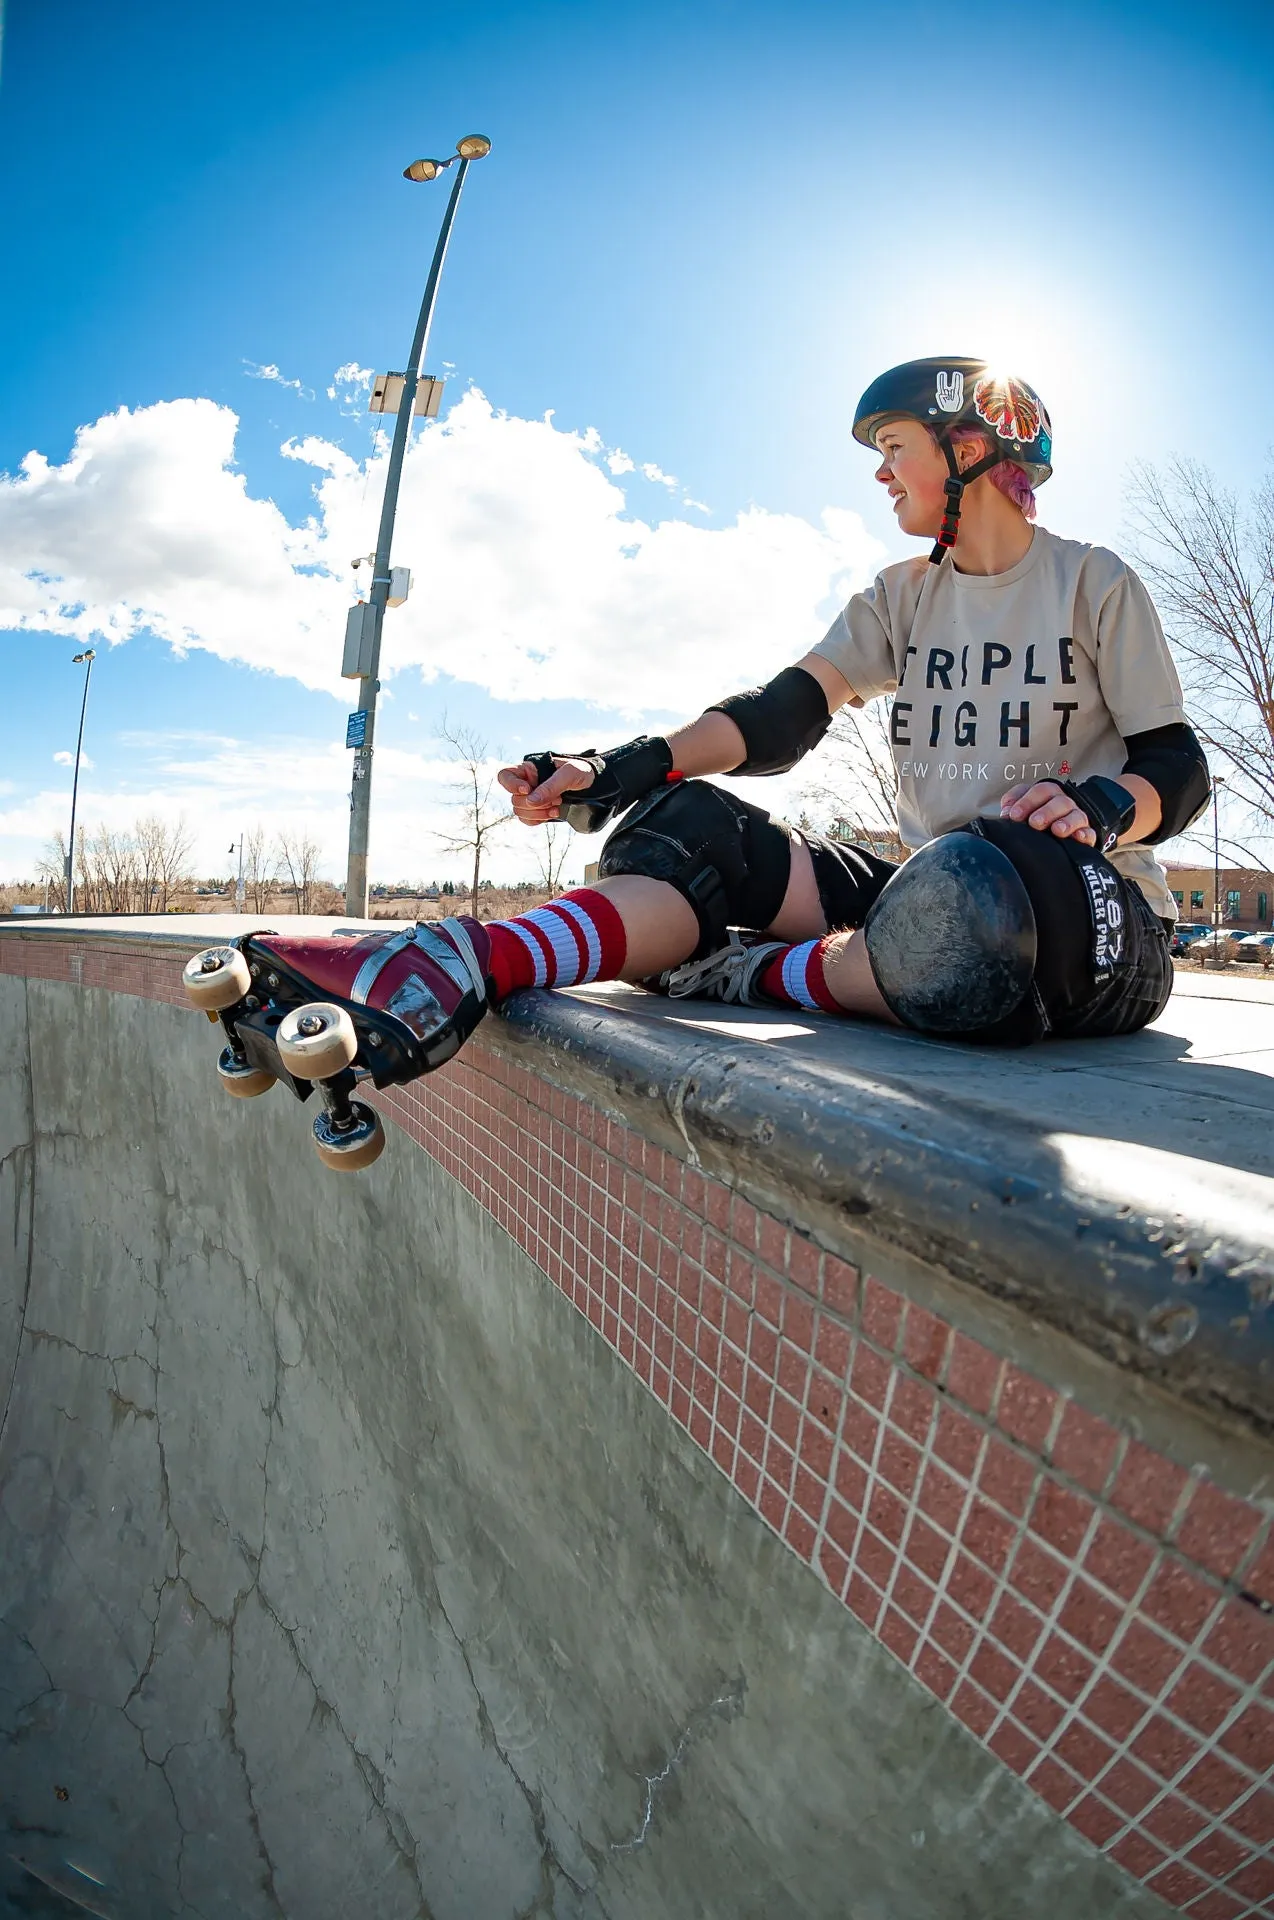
(1121,1191)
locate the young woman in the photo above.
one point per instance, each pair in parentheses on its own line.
(1041,748)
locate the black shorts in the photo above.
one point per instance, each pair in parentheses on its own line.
(1103,965)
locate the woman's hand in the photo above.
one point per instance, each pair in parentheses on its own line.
(1044,806)
(536,802)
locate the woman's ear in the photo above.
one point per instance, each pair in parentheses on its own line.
(969,452)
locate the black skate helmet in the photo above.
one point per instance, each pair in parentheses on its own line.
(955,392)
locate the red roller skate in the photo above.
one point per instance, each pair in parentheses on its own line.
(327,1012)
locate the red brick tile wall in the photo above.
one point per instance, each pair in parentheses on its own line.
(1098,1617)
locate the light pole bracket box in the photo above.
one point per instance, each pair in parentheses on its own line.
(387,395)
(360,639)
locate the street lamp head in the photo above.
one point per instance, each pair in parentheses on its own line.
(78,659)
(424,169)
(474,146)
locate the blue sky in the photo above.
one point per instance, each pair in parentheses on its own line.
(702,229)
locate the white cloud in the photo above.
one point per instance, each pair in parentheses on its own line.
(271,372)
(540,586)
(658,476)
(350,385)
(220,786)
(65,759)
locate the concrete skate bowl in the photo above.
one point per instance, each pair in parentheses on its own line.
(701,1470)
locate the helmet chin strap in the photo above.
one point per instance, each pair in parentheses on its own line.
(954,487)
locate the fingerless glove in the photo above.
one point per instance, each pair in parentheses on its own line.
(622,776)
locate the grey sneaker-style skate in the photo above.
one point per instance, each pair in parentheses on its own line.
(730,974)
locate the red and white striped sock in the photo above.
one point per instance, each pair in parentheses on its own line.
(795,978)
(564,944)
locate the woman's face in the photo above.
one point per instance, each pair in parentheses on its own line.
(913,469)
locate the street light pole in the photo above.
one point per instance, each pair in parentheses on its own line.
(1217,783)
(238,891)
(472,147)
(84,660)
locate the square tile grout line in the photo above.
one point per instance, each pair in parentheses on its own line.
(1214,1822)
(851,1325)
(999,1580)
(1188,1652)
(941,1594)
(832,1438)
(875,1480)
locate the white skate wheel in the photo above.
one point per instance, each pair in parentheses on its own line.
(216,978)
(316,1041)
(240,1079)
(357,1146)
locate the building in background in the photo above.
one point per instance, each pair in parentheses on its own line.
(882,841)
(1247,896)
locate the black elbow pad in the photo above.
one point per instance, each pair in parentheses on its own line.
(1172,760)
(779,722)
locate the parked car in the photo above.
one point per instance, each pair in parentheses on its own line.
(1258,947)
(1186,932)
(1214,948)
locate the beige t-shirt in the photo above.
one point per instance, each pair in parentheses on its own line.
(1041,672)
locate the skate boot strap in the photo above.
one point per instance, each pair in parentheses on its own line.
(449,946)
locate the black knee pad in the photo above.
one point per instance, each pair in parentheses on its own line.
(1080,902)
(728,859)
(952,938)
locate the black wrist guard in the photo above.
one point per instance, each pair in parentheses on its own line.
(1110,808)
(779,722)
(620,777)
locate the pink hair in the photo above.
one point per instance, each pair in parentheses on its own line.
(1008,476)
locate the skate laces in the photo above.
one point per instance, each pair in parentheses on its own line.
(728,974)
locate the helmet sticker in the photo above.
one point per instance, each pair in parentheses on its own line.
(950,392)
(1009,406)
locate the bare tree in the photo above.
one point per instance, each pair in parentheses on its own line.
(481,822)
(552,845)
(107,863)
(162,861)
(258,870)
(858,784)
(51,868)
(1210,563)
(298,858)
